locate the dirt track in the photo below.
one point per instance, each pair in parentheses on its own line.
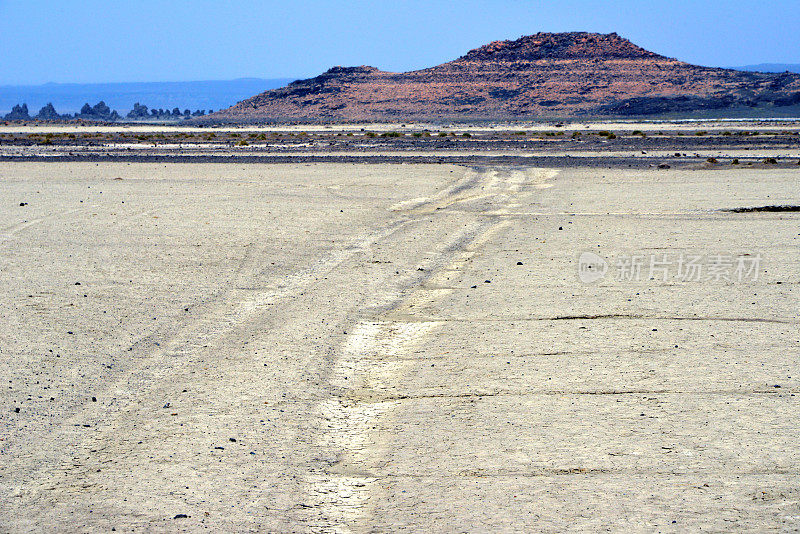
(323,347)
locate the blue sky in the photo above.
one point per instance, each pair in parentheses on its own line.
(148,40)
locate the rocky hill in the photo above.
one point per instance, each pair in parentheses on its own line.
(542,75)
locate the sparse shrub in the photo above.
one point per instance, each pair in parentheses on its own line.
(603,133)
(442,134)
(726,133)
(417,134)
(391,134)
(735,161)
(712,160)
(520,133)
(701,132)
(370,134)
(466,134)
(235,135)
(637,132)
(611,136)
(576,135)
(243,143)
(770,161)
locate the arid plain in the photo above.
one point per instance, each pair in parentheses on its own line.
(336,330)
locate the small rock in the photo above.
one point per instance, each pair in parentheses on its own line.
(663,166)
(23,203)
(181,516)
(519,263)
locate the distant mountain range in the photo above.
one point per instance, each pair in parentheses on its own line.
(544,75)
(771,67)
(70,97)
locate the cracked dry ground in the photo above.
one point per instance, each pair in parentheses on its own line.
(392,348)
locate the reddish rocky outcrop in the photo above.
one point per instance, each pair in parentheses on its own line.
(542,75)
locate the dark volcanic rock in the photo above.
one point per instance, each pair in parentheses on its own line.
(139,111)
(98,112)
(48,113)
(547,74)
(18,113)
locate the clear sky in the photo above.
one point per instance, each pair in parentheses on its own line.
(180,40)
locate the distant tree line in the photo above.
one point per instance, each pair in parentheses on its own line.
(101,112)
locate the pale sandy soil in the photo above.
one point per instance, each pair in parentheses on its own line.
(195,149)
(617,126)
(392,348)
